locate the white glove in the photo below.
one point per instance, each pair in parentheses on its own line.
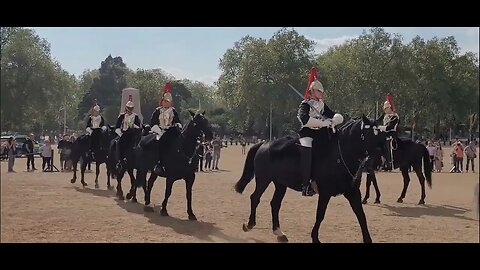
(382,128)
(89,131)
(337,119)
(178,125)
(135,126)
(156,129)
(119,132)
(104,128)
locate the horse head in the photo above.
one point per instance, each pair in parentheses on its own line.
(371,136)
(199,124)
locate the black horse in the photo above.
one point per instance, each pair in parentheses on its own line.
(82,150)
(177,150)
(334,168)
(131,137)
(408,154)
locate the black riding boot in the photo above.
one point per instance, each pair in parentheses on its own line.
(119,164)
(306,168)
(388,156)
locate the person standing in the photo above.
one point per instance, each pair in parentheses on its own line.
(12,152)
(471,153)
(217,146)
(29,151)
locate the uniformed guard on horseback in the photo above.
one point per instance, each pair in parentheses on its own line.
(95,124)
(390,123)
(163,118)
(315,117)
(126,122)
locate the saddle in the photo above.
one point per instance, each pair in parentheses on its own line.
(284,147)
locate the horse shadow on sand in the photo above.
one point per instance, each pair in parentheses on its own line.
(428,210)
(96,192)
(204,231)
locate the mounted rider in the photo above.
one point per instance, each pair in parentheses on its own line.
(315,118)
(390,123)
(163,118)
(95,125)
(126,122)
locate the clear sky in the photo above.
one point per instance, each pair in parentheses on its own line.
(193,52)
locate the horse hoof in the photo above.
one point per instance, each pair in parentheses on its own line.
(377,201)
(400,200)
(164,213)
(134,200)
(245,228)
(421,202)
(129,196)
(148,209)
(110,187)
(147,202)
(282,239)
(192,217)
(97,186)
(121,197)
(84,184)
(364,201)
(73,181)
(315,240)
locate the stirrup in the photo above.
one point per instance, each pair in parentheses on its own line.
(307,191)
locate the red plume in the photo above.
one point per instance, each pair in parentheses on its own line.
(167,89)
(389,99)
(313,77)
(130,98)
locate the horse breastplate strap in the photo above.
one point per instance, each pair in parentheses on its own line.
(317,112)
(165,118)
(96,120)
(128,121)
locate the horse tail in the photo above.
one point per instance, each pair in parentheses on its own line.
(248,170)
(427,166)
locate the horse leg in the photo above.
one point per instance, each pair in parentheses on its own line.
(109,186)
(377,190)
(421,179)
(74,179)
(406,181)
(83,167)
(275,204)
(354,198)
(323,200)
(189,185)
(97,172)
(367,189)
(260,187)
(132,194)
(148,190)
(168,192)
(119,184)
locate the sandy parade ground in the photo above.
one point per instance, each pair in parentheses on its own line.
(45,207)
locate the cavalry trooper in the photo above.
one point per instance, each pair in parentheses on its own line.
(126,122)
(315,118)
(95,123)
(163,118)
(390,123)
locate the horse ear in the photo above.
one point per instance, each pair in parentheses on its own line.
(365,119)
(191,113)
(203,113)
